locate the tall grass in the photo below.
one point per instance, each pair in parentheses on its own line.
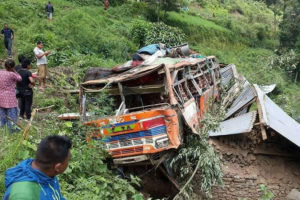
(79,30)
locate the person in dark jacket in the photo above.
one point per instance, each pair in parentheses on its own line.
(24,88)
(8,38)
(35,179)
(50,10)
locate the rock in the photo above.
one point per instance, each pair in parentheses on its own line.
(294,195)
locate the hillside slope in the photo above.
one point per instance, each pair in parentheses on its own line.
(237,31)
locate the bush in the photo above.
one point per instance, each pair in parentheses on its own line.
(139,31)
(288,61)
(151,14)
(161,33)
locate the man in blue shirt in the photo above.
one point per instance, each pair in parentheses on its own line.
(49,9)
(8,37)
(35,179)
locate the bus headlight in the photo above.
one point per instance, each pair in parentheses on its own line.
(162,142)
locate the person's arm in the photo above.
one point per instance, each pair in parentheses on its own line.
(16,76)
(35,76)
(41,54)
(25,191)
(31,80)
(32,83)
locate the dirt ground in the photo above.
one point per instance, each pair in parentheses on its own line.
(248,162)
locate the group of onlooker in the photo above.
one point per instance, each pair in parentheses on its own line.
(31,178)
(16,87)
(16,82)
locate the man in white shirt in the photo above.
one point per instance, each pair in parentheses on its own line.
(41,63)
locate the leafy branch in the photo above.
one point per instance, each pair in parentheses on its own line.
(197,155)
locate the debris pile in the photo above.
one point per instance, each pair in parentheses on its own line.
(240,119)
(258,142)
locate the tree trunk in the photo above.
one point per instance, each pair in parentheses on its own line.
(158,11)
(274,44)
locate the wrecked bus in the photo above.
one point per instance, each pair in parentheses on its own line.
(157,102)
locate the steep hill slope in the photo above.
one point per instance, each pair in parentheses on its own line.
(237,31)
(83,36)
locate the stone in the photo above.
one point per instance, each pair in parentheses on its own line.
(294,195)
(239,180)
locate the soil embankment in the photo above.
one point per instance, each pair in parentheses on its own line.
(248,162)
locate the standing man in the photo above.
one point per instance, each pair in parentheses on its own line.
(49,9)
(35,179)
(41,64)
(8,37)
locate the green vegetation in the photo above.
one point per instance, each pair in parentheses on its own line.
(153,33)
(88,175)
(266,194)
(84,35)
(198,155)
(74,33)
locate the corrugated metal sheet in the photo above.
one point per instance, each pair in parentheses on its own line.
(241,124)
(227,74)
(275,118)
(247,95)
(243,111)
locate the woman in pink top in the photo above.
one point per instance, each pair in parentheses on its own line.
(8,101)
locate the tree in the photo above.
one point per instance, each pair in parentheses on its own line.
(290,25)
(290,35)
(165,5)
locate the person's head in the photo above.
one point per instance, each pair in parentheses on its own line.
(49,2)
(5,26)
(9,65)
(26,63)
(53,154)
(40,44)
(21,57)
